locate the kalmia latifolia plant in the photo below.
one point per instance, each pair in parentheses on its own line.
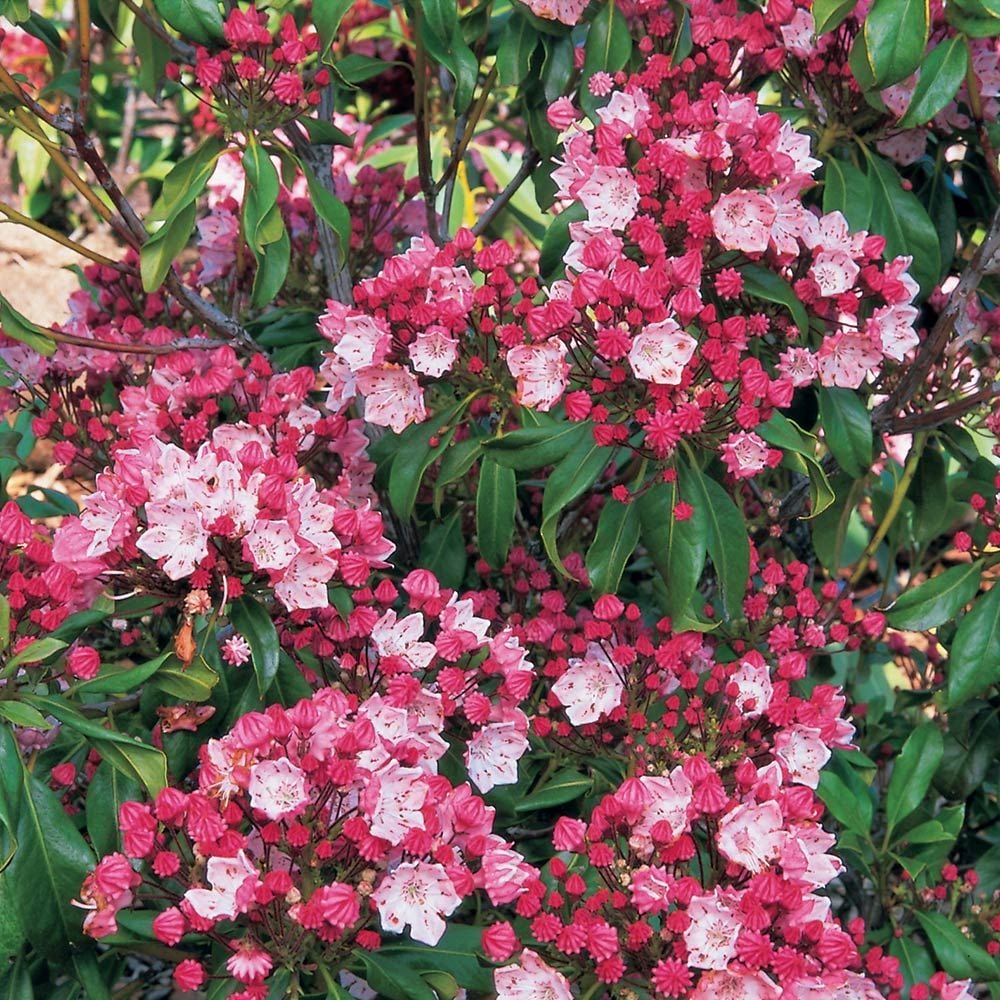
(511,510)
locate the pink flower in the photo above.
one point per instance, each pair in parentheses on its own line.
(531,979)
(589,688)
(752,835)
(745,454)
(233,882)
(433,351)
(393,397)
(711,935)
(170,926)
(725,985)
(83,662)
(189,975)
(742,220)
(278,788)
(236,651)
(754,691)
(393,799)
(492,754)
(663,799)
(500,941)
(803,753)
(176,535)
(660,353)
(540,370)
(249,963)
(611,197)
(846,358)
(418,895)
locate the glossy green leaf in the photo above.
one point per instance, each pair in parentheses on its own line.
(251,620)
(412,461)
(844,804)
(530,448)
(799,448)
(847,429)
(551,263)
(19,327)
(913,772)
(847,190)
(326,18)
(938,600)
(830,14)
(330,209)
(35,652)
(564,786)
(496,504)
(518,42)
(19,714)
(618,529)
(959,956)
(459,457)
(443,551)
(391,977)
(47,869)
(942,73)
(572,476)
(108,789)
(895,33)
(677,548)
(153,57)
(194,682)
(197,20)
(186,180)
(158,253)
(899,217)
(88,975)
(914,961)
(765,284)
(115,680)
(129,754)
(974,658)
(728,544)
(606,50)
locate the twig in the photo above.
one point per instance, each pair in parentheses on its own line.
(83,31)
(183,51)
(984,262)
(528,164)
(424,167)
(192,343)
(23,220)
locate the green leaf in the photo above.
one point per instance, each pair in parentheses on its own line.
(974,657)
(959,956)
(194,682)
(19,327)
(323,133)
(11,942)
(251,620)
(571,477)
(135,759)
(153,57)
(764,284)
(941,74)
(458,459)
(120,681)
(847,190)
(728,543)
(326,18)
(35,652)
(108,789)
(19,714)
(331,210)
(606,50)
(799,449)
(830,14)
(393,979)
(913,772)
(47,869)
(443,551)
(564,786)
(496,504)
(847,429)
(938,600)
(530,448)
(617,536)
(914,962)
(517,44)
(844,804)
(186,180)
(158,253)
(895,33)
(88,975)
(903,221)
(677,548)
(970,746)
(415,455)
(196,20)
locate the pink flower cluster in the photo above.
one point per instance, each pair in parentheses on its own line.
(233,504)
(312,829)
